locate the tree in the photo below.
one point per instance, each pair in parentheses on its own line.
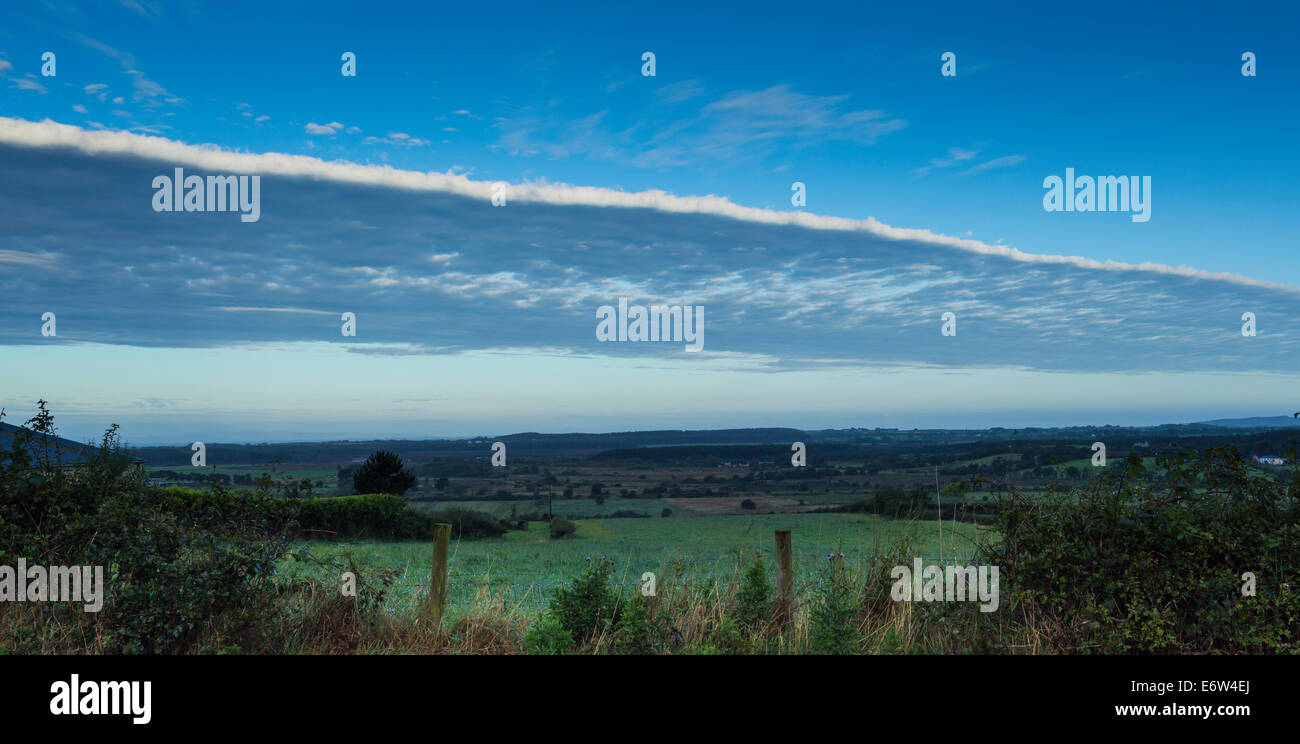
(383,472)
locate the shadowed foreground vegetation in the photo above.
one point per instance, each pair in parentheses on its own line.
(1129,562)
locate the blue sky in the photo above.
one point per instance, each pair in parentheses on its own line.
(476,319)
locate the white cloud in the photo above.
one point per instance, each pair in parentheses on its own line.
(680,91)
(955,155)
(47,133)
(1006,161)
(26,259)
(296,310)
(396,138)
(147,91)
(28,84)
(740,125)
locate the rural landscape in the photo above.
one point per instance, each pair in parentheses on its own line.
(367,365)
(663,541)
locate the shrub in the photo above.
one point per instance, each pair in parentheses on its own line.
(834,613)
(468,523)
(726,638)
(363,514)
(754,599)
(588,606)
(1132,562)
(173,572)
(546,636)
(748,504)
(168,572)
(638,630)
(383,472)
(562,528)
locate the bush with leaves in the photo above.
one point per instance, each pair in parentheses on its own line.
(834,627)
(1142,562)
(640,630)
(167,573)
(468,523)
(546,636)
(562,528)
(588,606)
(383,472)
(754,598)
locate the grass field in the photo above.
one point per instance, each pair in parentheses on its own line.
(524,567)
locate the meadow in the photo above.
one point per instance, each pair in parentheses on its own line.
(523,568)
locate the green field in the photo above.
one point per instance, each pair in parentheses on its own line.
(524,567)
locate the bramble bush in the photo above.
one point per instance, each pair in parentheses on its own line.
(177,561)
(166,574)
(1152,562)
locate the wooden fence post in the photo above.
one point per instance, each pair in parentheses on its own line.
(438,580)
(784,577)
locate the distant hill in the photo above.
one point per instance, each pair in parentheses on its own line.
(1256,422)
(1260,434)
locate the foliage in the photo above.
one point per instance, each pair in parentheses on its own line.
(588,606)
(1132,563)
(546,636)
(468,523)
(834,612)
(562,528)
(754,599)
(383,472)
(166,574)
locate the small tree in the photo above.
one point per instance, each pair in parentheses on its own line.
(383,472)
(562,528)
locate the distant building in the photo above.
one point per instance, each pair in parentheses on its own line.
(1270,460)
(1144,444)
(64,452)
